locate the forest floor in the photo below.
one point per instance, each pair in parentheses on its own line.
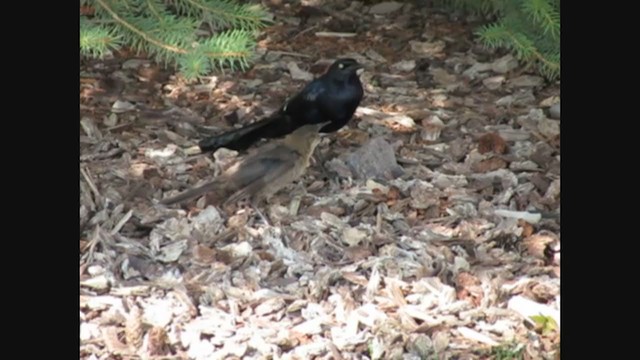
(452,252)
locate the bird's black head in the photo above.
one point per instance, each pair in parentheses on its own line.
(345,66)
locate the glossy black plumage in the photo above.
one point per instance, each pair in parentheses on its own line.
(332,97)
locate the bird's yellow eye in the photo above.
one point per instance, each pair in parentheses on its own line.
(340,66)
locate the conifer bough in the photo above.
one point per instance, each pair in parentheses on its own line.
(530,29)
(195,35)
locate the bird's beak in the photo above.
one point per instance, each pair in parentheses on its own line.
(357,68)
(321,125)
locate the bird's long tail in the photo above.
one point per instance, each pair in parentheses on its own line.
(241,139)
(213,186)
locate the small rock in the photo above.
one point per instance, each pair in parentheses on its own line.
(526,81)
(549,128)
(423,195)
(505,100)
(95,270)
(554,111)
(404,66)
(421,345)
(331,220)
(240,250)
(210,215)
(374,159)
(442,77)
(89,331)
(537,119)
(542,154)
(443,181)
(527,165)
(134,63)
(440,342)
(297,73)
(494,82)
(225,157)
(99,282)
(536,115)
(524,97)
(431,128)
(386,7)
(252,84)
(489,165)
(550,101)
(553,192)
(375,56)
(309,327)
(122,106)
(111,120)
(504,64)
(374,186)
(387,80)
(401,121)
(90,128)
(540,182)
(353,236)
(476,69)
(514,134)
(376,348)
(340,167)
(171,252)
(427,48)
(458,148)
(271,56)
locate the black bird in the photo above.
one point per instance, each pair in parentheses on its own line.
(332,97)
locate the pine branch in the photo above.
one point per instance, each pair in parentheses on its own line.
(137,31)
(170,33)
(528,28)
(97,40)
(227,49)
(221,13)
(543,13)
(498,35)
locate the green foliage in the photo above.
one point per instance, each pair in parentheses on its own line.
(545,324)
(508,352)
(172,31)
(530,29)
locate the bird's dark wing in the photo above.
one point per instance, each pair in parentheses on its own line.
(235,139)
(313,90)
(306,100)
(330,97)
(299,110)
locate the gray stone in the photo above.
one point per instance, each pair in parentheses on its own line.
(554,111)
(375,159)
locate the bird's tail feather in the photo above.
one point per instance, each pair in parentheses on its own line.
(238,139)
(192,193)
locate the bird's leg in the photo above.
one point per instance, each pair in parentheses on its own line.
(264,219)
(300,189)
(320,159)
(260,214)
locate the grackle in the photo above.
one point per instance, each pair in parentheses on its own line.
(263,173)
(332,97)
